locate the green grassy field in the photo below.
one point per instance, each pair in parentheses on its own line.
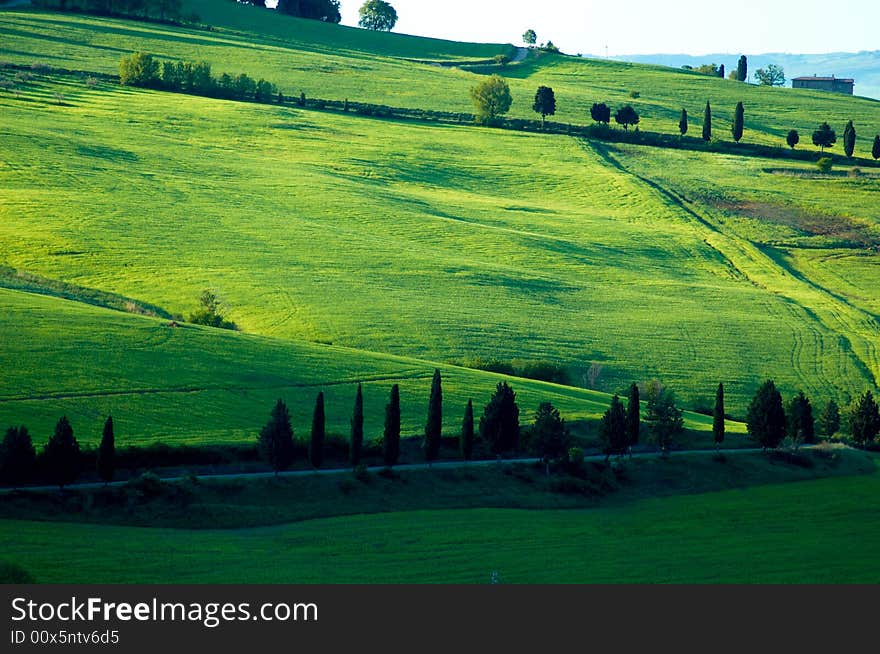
(816,531)
(199,385)
(439,243)
(350,249)
(334,63)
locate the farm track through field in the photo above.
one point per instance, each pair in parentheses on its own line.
(406,467)
(834,313)
(208,389)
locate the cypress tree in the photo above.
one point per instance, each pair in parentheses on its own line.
(550,436)
(683,122)
(829,421)
(391,435)
(633,417)
(357,429)
(849,139)
(875,150)
(467,432)
(61,455)
(766,416)
(18,458)
(107,452)
(738,120)
(864,422)
(276,438)
(718,417)
(319,433)
(801,425)
(721,71)
(499,425)
(434,424)
(707,123)
(612,428)
(742,69)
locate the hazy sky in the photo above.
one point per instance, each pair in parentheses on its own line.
(646,27)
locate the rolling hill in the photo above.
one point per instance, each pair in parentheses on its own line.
(442,243)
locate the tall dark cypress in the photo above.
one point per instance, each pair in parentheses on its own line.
(18,459)
(61,455)
(718,416)
(766,416)
(434,424)
(707,123)
(319,432)
(276,438)
(849,139)
(633,416)
(107,452)
(742,69)
(875,150)
(721,71)
(467,432)
(738,122)
(357,429)
(683,122)
(391,435)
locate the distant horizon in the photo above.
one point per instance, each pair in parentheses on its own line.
(596,28)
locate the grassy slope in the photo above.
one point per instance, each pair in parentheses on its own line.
(336,62)
(201,385)
(409,217)
(435,242)
(805,532)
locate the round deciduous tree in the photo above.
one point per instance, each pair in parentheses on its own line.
(377,15)
(491,99)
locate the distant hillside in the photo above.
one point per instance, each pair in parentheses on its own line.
(864,67)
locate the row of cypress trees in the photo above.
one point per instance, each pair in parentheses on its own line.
(498,427)
(59,462)
(824,136)
(769,422)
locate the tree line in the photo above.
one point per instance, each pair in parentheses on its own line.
(498,428)
(492,100)
(143,70)
(769,422)
(165,11)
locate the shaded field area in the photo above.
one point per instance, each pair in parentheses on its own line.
(809,531)
(202,386)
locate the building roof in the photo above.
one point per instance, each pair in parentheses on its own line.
(813,78)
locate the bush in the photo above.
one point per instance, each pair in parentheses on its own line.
(139,69)
(635,95)
(825,164)
(147,486)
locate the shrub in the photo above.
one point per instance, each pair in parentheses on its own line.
(825,164)
(139,69)
(635,95)
(147,486)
